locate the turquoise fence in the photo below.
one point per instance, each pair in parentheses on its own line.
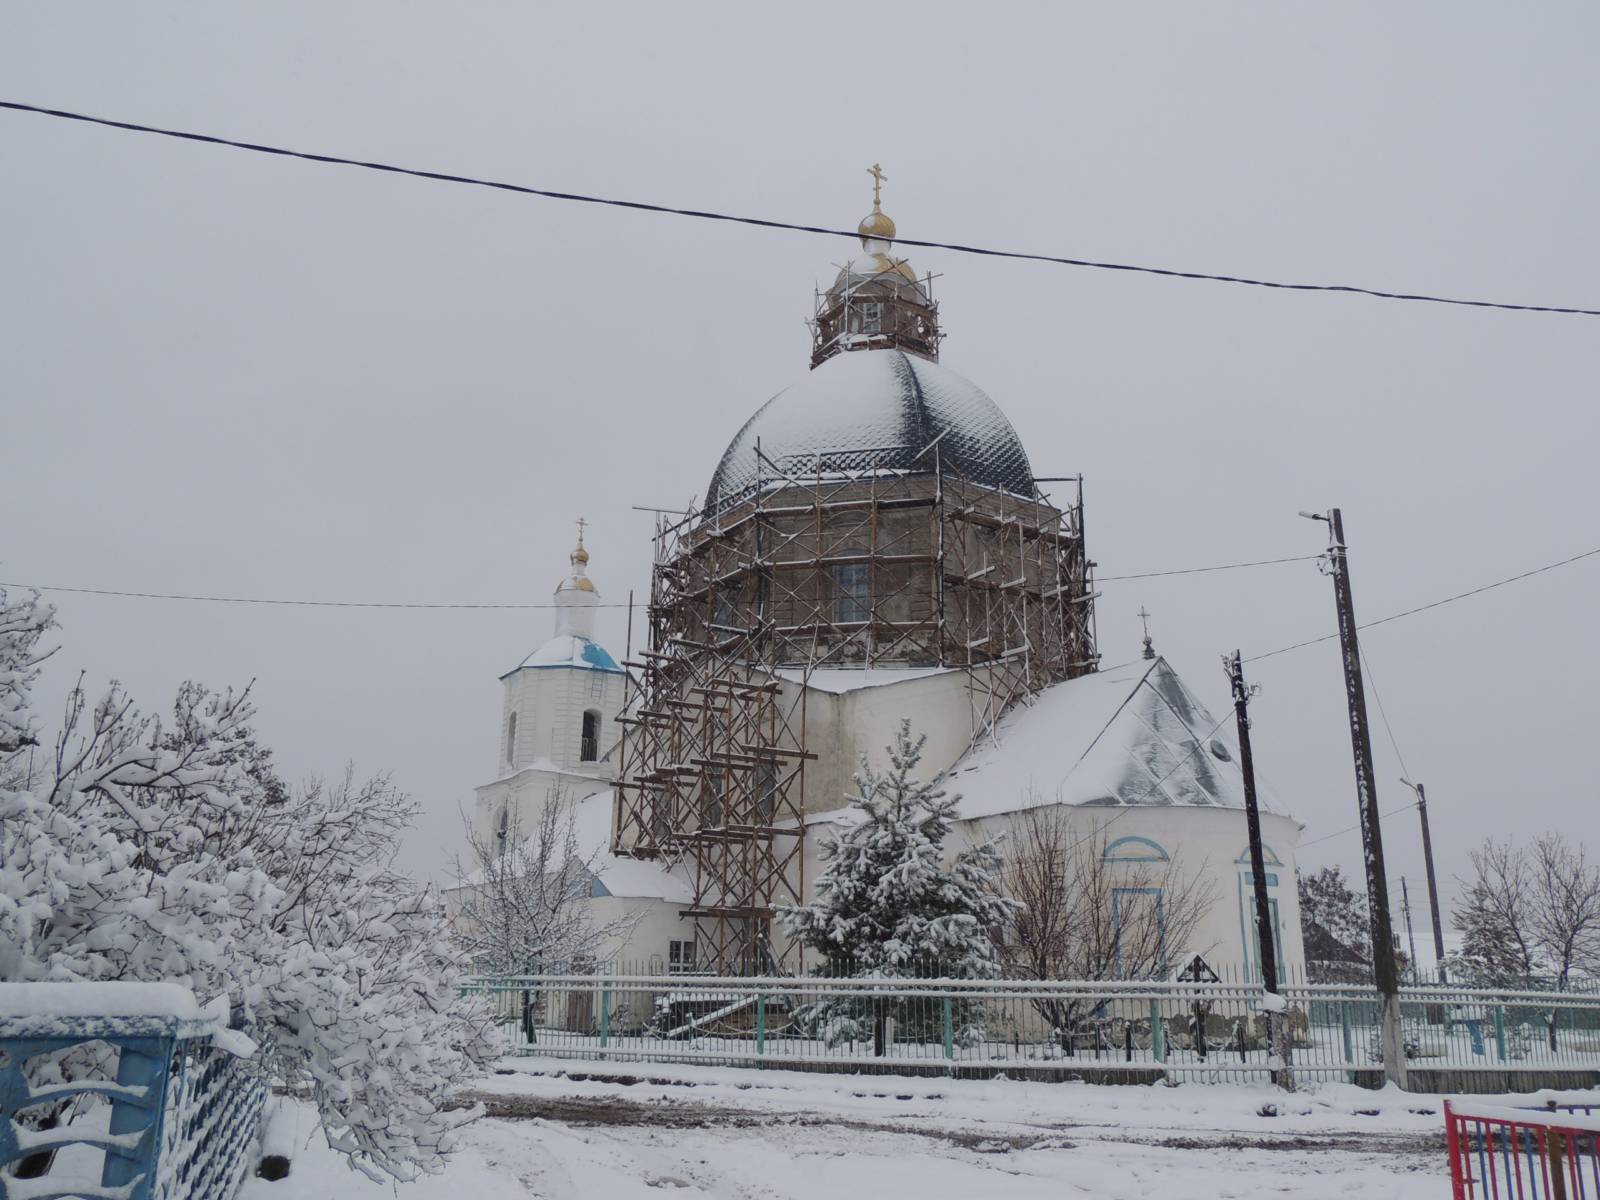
(123,1091)
(1059,1028)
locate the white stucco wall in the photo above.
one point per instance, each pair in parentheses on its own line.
(841,728)
(550,703)
(1211,844)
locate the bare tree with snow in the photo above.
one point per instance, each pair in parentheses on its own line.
(166,850)
(1083,917)
(522,897)
(1527,911)
(1564,907)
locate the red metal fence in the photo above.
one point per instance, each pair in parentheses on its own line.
(1501,1153)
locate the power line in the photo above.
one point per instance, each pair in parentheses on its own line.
(88,591)
(1261,562)
(1411,612)
(1351,829)
(1373,680)
(45,587)
(706,215)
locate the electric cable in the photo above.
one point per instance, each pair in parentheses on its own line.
(1389,729)
(212,599)
(1411,612)
(765,223)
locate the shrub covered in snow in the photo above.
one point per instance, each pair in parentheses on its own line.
(888,907)
(145,849)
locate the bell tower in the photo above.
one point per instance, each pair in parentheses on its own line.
(876,302)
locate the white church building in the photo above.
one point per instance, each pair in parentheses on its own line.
(843,633)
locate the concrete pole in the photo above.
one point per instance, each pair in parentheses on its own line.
(1385,973)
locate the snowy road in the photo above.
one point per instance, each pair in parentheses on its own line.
(563,1130)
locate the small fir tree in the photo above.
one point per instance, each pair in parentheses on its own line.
(887,907)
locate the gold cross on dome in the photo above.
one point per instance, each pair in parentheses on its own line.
(582,525)
(1144,619)
(877,182)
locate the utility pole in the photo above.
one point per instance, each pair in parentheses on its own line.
(1384,972)
(1433,886)
(1277,1042)
(1411,938)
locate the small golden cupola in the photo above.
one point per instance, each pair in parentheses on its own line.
(876,302)
(575,596)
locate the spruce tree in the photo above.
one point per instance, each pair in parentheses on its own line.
(887,907)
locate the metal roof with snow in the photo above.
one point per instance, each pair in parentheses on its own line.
(570,650)
(876,409)
(1126,736)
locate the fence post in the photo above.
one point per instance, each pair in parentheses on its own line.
(142,1062)
(761,1023)
(1500,1030)
(605,1017)
(1458,1160)
(1344,1025)
(1158,1038)
(949,1029)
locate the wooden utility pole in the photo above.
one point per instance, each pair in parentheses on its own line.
(1277,1035)
(1385,974)
(1433,886)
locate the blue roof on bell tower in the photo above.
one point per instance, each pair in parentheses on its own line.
(567,650)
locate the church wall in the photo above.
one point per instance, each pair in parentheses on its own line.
(527,793)
(550,703)
(1209,842)
(840,729)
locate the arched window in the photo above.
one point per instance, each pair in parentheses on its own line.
(853,601)
(1134,849)
(589,746)
(511,739)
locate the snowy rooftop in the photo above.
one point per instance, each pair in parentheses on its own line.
(627,878)
(878,408)
(570,650)
(1130,735)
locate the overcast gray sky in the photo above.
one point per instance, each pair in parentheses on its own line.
(234,374)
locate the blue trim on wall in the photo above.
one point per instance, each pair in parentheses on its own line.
(1157,855)
(1268,858)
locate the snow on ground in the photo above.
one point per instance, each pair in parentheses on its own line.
(563,1128)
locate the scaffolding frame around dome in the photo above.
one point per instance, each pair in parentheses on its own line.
(745,607)
(877,302)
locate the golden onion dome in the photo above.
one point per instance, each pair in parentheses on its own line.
(876,224)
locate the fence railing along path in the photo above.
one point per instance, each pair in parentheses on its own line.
(124,1090)
(1187,1030)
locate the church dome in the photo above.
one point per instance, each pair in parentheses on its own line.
(876,408)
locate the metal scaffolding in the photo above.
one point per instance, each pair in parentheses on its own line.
(835,561)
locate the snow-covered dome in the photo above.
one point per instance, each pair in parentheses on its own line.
(876,408)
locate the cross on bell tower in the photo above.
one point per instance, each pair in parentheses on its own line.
(1144,620)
